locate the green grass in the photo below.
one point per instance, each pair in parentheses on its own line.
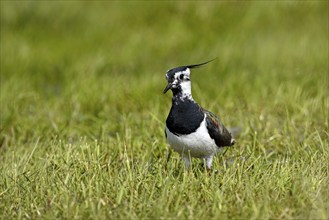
(82,110)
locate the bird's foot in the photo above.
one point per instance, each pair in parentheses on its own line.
(211,171)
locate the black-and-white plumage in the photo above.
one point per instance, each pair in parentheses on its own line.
(191,130)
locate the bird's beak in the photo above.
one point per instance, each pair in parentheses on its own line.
(167,87)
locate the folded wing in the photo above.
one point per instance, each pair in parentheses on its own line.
(217,131)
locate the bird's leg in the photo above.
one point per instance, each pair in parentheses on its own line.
(209,162)
(187,160)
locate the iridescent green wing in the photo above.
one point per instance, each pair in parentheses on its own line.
(217,131)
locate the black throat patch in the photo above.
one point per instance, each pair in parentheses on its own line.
(185,116)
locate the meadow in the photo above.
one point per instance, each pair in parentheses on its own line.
(83,113)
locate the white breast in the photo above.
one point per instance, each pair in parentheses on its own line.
(198,144)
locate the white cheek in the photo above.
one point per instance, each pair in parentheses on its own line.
(186,86)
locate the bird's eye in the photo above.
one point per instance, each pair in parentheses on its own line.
(181,76)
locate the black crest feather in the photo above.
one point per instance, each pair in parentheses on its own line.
(182,68)
(200,64)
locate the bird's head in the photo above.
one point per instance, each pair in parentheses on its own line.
(179,79)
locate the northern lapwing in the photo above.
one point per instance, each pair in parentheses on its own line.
(191,130)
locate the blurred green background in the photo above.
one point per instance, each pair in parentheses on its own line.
(66,64)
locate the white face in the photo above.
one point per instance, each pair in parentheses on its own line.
(183,75)
(179,83)
(183,79)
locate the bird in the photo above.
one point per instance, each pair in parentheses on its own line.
(191,130)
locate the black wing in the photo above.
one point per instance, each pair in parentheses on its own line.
(217,131)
